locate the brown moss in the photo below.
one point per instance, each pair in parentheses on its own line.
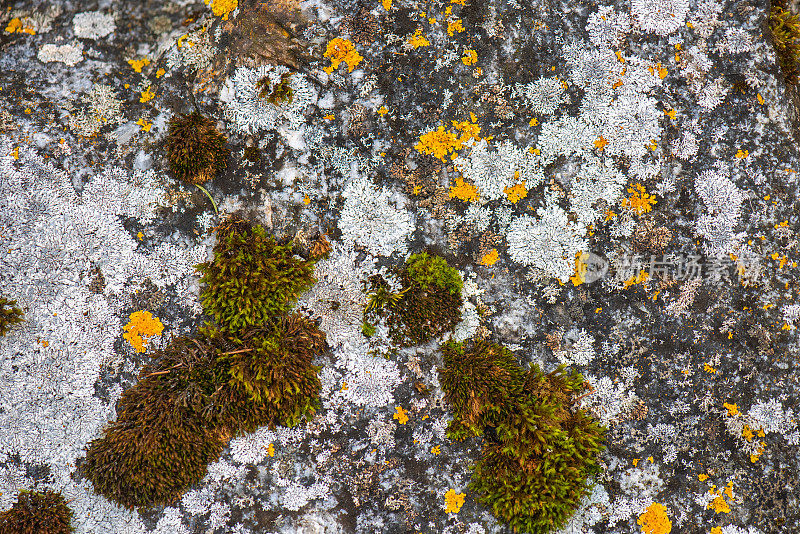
(37,513)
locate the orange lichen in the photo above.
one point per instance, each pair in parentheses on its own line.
(490,258)
(654,520)
(517,192)
(733,409)
(642,276)
(342,50)
(640,200)
(464,191)
(600,143)
(417,40)
(147,95)
(719,505)
(401,415)
(470,57)
(438,143)
(454,27)
(223,8)
(138,64)
(141,328)
(453,501)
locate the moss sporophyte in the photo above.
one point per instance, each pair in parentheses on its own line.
(251,367)
(536,462)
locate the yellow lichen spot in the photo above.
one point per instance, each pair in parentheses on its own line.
(417,40)
(470,57)
(15,153)
(618,83)
(470,131)
(459,2)
(600,143)
(610,215)
(702,477)
(306,200)
(650,459)
(160,73)
(654,520)
(138,64)
(747,433)
(431,20)
(401,415)
(671,113)
(141,328)
(342,50)
(223,8)
(387,4)
(271,450)
(619,56)
(14,25)
(464,191)
(517,192)
(760,98)
(580,270)
(635,462)
(454,26)
(27,111)
(329,117)
(719,505)
(715,530)
(533,122)
(382,111)
(144,124)
(139,236)
(490,258)
(740,154)
(729,490)
(438,143)
(640,201)
(147,95)
(453,501)
(708,369)
(639,278)
(733,409)
(436,450)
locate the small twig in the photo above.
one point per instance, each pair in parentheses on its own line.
(157,373)
(235,352)
(203,189)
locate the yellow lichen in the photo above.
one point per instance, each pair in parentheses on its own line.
(464,191)
(271,450)
(401,415)
(642,276)
(600,143)
(382,111)
(147,95)
(438,143)
(470,57)
(733,409)
(141,328)
(454,26)
(436,450)
(719,505)
(654,520)
(223,8)
(144,124)
(417,40)
(342,50)
(702,477)
(453,501)
(640,200)
(387,4)
(138,64)
(515,193)
(490,258)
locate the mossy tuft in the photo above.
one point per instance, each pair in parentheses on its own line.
(538,458)
(37,513)
(278,93)
(196,151)
(427,305)
(251,279)
(10,315)
(785,29)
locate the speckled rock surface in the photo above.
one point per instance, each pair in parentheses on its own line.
(656,139)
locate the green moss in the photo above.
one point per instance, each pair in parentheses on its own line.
(195,149)
(37,513)
(478,381)
(536,462)
(164,436)
(279,93)
(10,315)
(427,305)
(251,279)
(785,29)
(427,271)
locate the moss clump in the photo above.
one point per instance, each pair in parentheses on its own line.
(536,463)
(161,442)
(478,380)
(252,368)
(10,315)
(37,513)
(196,151)
(427,305)
(785,29)
(251,279)
(279,93)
